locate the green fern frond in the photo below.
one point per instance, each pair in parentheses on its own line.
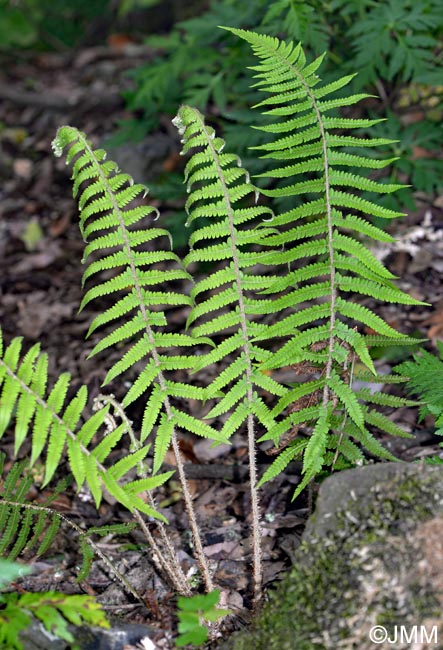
(132,251)
(368,441)
(53,424)
(141,289)
(230,300)
(23,528)
(331,222)
(89,549)
(297,392)
(288,325)
(370,288)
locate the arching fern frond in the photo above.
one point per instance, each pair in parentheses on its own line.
(140,285)
(53,423)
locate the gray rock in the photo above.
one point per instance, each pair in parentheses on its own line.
(36,637)
(116,638)
(372,555)
(352,489)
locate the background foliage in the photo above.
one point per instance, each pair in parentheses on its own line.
(395,45)
(47,23)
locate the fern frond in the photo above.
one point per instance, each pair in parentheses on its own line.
(25,529)
(120,241)
(53,424)
(231,298)
(191,424)
(107,198)
(305,138)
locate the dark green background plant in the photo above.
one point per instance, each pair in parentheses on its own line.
(43,24)
(425,380)
(396,44)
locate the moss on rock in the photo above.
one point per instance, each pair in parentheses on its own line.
(363,562)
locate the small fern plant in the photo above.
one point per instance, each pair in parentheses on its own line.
(287,290)
(425,380)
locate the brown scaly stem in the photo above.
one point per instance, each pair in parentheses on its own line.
(165,559)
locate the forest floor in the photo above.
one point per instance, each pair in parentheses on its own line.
(40,280)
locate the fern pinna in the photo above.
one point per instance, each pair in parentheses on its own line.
(325,231)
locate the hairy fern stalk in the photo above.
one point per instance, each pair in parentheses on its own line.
(288,290)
